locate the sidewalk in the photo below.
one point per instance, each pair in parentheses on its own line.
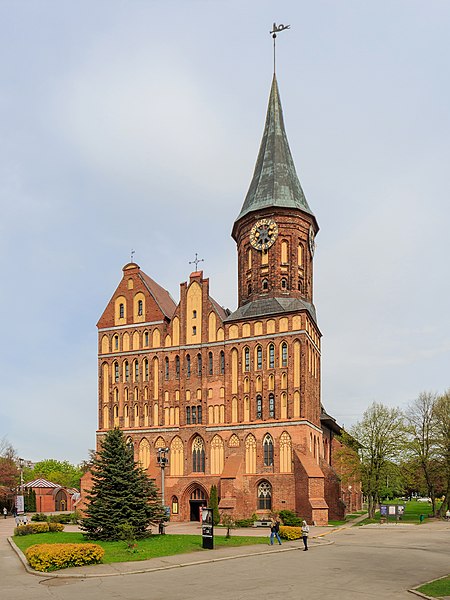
(178,560)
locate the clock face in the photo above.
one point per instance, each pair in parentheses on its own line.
(312,243)
(263,234)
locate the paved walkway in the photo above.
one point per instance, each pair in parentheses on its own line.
(361,563)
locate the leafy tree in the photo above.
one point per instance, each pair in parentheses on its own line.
(381,435)
(421,426)
(57,471)
(228,522)
(9,473)
(214,504)
(441,413)
(121,493)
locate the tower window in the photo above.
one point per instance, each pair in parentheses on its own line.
(194,314)
(222,362)
(121,311)
(188,415)
(127,371)
(198,455)
(271,406)
(284,285)
(188,366)
(166,372)
(140,308)
(199,415)
(194,415)
(199,365)
(259,407)
(249,289)
(271,356)
(284,355)
(177,367)
(247,359)
(265,285)
(146,338)
(116,372)
(259,357)
(194,330)
(136,371)
(210,363)
(300,285)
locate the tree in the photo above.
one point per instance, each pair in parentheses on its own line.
(228,522)
(57,471)
(121,493)
(381,435)
(441,413)
(421,425)
(9,473)
(214,504)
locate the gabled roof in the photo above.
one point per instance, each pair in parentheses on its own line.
(162,297)
(221,311)
(41,483)
(275,182)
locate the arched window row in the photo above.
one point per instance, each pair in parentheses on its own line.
(271,358)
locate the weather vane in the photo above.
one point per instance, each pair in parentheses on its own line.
(196,261)
(132,255)
(276,29)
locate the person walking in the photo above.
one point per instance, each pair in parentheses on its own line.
(305,533)
(5,512)
(275,530)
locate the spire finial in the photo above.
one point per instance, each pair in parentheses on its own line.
(132,255)
(276,29)
(196,261)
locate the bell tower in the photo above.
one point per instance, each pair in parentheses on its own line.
(276,229)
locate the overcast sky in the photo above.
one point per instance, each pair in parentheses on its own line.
(136,125)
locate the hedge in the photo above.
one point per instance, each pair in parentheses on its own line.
(290,533)
(51,557)
(31,528)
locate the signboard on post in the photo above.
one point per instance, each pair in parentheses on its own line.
(20,504)
(207,528)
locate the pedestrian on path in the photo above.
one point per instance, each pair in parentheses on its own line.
(275,530)
(5,512)
(305,533)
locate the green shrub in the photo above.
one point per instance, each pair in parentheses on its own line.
(55,527)
(244,522)
(51,557)
(39,517)
(62,518)
(289,518)
(290,533)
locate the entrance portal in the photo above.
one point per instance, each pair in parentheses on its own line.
(197,500)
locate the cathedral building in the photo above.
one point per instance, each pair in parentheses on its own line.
(232,399)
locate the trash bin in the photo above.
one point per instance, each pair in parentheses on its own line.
(421,518)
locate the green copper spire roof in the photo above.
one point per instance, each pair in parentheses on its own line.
(275,182)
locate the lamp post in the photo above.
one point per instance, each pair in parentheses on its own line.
(162,460)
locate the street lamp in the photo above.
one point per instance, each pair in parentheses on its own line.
(163,460)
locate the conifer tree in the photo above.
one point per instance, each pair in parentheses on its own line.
(121,493)
(214,504)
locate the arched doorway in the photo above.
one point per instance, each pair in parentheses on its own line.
(61,500)
(196,501)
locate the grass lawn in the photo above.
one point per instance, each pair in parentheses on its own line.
(436,589)
(151,547)
(413,510)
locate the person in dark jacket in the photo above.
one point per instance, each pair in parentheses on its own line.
(275,530)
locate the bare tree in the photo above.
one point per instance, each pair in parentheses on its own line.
(381,435)
(421,425)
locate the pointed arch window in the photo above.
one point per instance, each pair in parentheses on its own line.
(146,338)
(177,366)
(127,371)
(210,363)
(222,362)
(174,505)
(247,359)
(116,342)
(166,368)
(264,496)
(259,406)
(271,356)
(271,406)
(188,365)
(146,370)
(140,308)
(188,415)
(116,372)
(284,284)
(265,285)
(268,450)
(136,370)
(199,365)
(121,311)
(284,355)
(198,455)
(259,355)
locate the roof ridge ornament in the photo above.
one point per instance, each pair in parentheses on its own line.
(276,29)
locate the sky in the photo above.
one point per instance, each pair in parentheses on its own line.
(136,125)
